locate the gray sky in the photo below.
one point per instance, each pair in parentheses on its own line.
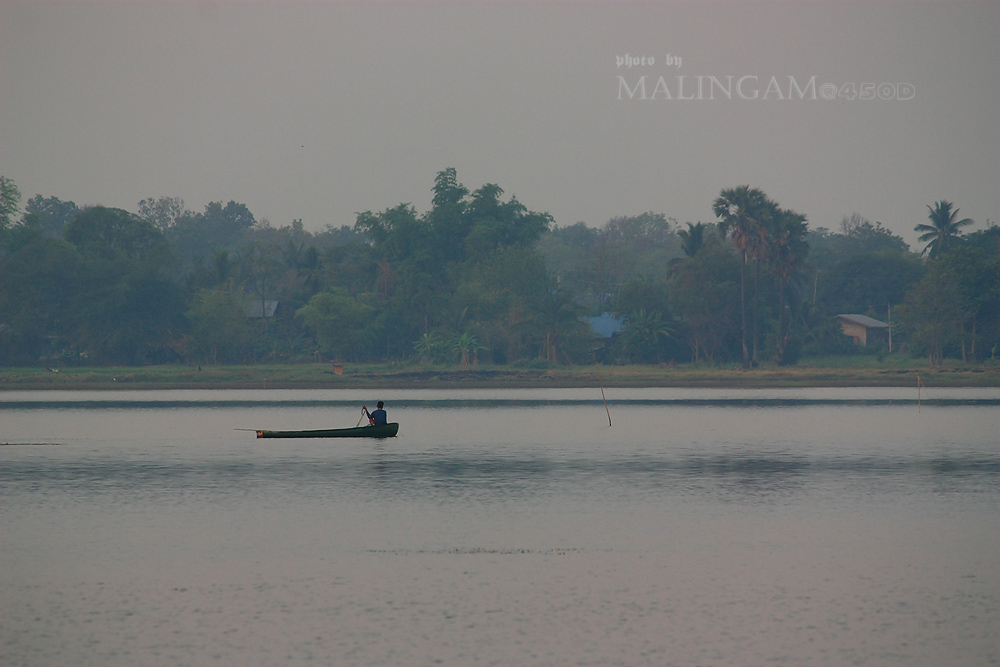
(318,110)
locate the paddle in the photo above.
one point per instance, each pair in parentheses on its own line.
(364,411)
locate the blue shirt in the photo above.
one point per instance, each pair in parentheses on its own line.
(379,417)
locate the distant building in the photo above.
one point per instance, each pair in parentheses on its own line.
(257,308)
(605,326)
(863,328)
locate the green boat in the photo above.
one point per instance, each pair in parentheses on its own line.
(381,431)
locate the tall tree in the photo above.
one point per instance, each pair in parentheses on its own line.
(113,234)
(130,312)
(447,190)
(692,238)
(447,218)
(569,253)
(260,271)
(195,236)
(339,323)
(788,253)
(703,295)
(858,236)
(642,293)
(493,294)
(977,274)
(943,229)
(869,283)
(50,213)
(863,236)
(761,250)
(934,309)
(495,225)
(741,211)
(425,258)
(39,284)
(10,204)
(397,234)
(985,287)
(220,331)
(162,212)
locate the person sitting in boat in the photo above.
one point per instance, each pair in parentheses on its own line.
(377,417)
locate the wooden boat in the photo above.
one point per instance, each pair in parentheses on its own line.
(381,431)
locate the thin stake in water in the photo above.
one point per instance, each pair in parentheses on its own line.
(602,390)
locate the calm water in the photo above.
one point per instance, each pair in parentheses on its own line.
(705,527)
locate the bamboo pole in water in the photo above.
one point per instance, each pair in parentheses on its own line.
(601,383)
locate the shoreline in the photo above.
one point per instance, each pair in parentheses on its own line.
(321,376)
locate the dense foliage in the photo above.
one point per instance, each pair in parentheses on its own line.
(479,278)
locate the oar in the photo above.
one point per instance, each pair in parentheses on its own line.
(364,411)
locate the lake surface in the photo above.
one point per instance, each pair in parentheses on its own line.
(507,527)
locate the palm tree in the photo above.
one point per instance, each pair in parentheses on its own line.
(692,238)
(468,346)
(429,346)
(303,265)
(943,228)
(788,252)
(761,248)
(740,211)
(644,332)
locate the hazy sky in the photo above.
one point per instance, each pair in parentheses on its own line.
(318,110)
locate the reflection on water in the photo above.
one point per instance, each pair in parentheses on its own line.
(433,478)
(494,398)
(501,527)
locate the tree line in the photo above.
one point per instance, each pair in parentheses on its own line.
(480,278)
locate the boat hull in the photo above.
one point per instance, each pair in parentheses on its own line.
(382,431)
